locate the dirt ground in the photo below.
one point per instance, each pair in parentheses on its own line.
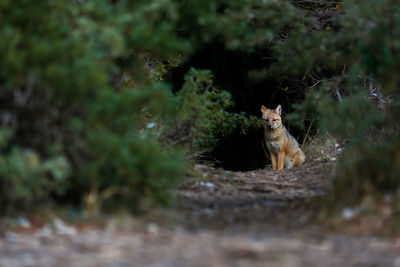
(221,218)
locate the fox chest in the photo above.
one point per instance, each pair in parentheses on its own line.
(273,146)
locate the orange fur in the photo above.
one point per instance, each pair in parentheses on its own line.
(283,147)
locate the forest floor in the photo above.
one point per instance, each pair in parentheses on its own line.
(221,218)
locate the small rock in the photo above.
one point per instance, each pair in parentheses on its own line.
(45,235)
(23,222)
(348,213)
(388,198)
(63,229)
(150,125)
(152,228)
(45,231)
(206,184)
(11,237)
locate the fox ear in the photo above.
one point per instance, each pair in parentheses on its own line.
(278,110)
(263,108)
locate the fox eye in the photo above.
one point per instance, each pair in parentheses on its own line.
(275,119)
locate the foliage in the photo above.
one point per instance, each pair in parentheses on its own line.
(80,81)
(351,70)
(371,174)
(203,115)
(25,177)
(375,160)
(62,93)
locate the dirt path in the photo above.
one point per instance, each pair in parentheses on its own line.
(228,200)
(258,218)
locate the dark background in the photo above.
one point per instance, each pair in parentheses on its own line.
(231,73)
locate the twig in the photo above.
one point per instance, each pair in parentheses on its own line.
(315,84)
(308,131)
(339,96)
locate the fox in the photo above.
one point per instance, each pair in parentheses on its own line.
(282,146)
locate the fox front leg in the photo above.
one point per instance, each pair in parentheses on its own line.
(281,160)
(273,161)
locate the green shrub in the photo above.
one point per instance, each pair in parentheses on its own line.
(79,85)
(77,81)
(203,115)
(25,178)
(370,165)
(351,68)
(62,93)
(364,172)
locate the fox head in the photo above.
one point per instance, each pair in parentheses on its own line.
(271,117)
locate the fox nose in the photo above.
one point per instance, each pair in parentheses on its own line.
(268,124)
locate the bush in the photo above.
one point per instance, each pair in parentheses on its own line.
(78,82)
(25,178)
(62,93)
(363,172)
(203,116)
(351,65)
(80,85)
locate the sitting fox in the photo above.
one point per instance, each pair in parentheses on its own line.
(283,148)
